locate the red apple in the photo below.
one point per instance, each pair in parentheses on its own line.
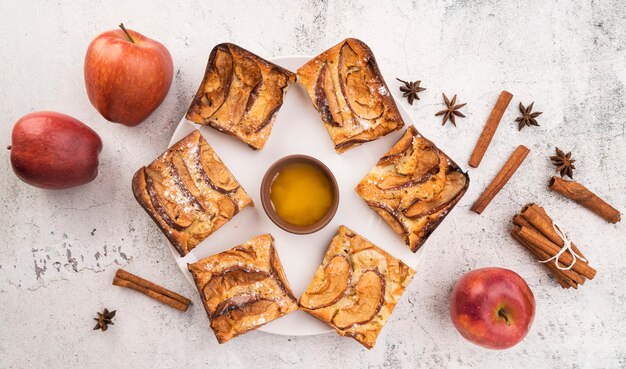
(492,307)
(127,75)
(54,151)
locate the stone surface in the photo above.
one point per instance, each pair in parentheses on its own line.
(59,250)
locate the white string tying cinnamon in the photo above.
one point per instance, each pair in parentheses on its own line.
(567,246)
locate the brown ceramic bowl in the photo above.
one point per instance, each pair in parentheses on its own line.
(266,185)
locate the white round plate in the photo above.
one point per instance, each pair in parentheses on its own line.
(298,129)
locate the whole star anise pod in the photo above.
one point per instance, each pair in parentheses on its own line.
(451,110)
(528,116)
(104,319)
(564,163)
(411,90)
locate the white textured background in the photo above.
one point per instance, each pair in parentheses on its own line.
(59,250)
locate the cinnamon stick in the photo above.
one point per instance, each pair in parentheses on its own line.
(542,243)
(561,277)
(570,275)
(535,230)
(165,296)
(579,193)
(501,178)
(490,128)
(538,218)
(542,254)
(519,220)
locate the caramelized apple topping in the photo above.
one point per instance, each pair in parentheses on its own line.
(214,172)
(242,254)
(391,218)
(359,84)
(421,161)
(369,294)
(335,279)
(247,75)
(455,184)
(265,99)
(227,207)
(399,149)
(247,72)
(244,303)
(183,181)
(413,166)
(171,213)
(349,143)
(241,317)
(217,83)
(326,98)
(220,284)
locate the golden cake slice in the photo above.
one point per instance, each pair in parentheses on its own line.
(243,288)
(346,87)
(189,192)
(356,287)
(240,94)
(413,187)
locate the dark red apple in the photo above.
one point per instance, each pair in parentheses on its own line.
(127,75)
(492,307)
(54,151)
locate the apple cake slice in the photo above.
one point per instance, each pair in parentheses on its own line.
(413,187)
(346,87)
(243,288)
(189,192)
(240,94)
(356,287)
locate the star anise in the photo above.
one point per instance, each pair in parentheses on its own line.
(451,110)
(528,116)
(411,89)
(564,163)
(104,319)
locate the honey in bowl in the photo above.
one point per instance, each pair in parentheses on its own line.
(301,194)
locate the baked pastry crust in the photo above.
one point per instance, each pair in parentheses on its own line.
(240,94)
(356,287)
(243,288)
(413,187)
(346,87)
(189,192)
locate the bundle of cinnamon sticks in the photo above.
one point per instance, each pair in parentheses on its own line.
(535,230)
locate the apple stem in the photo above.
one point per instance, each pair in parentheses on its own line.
(126,32)
(502,315)
(9,147)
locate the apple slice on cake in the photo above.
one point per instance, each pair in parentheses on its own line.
(240,94)
(347,89)
(189,192)
(413,187)
(243,288)
(356,287)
